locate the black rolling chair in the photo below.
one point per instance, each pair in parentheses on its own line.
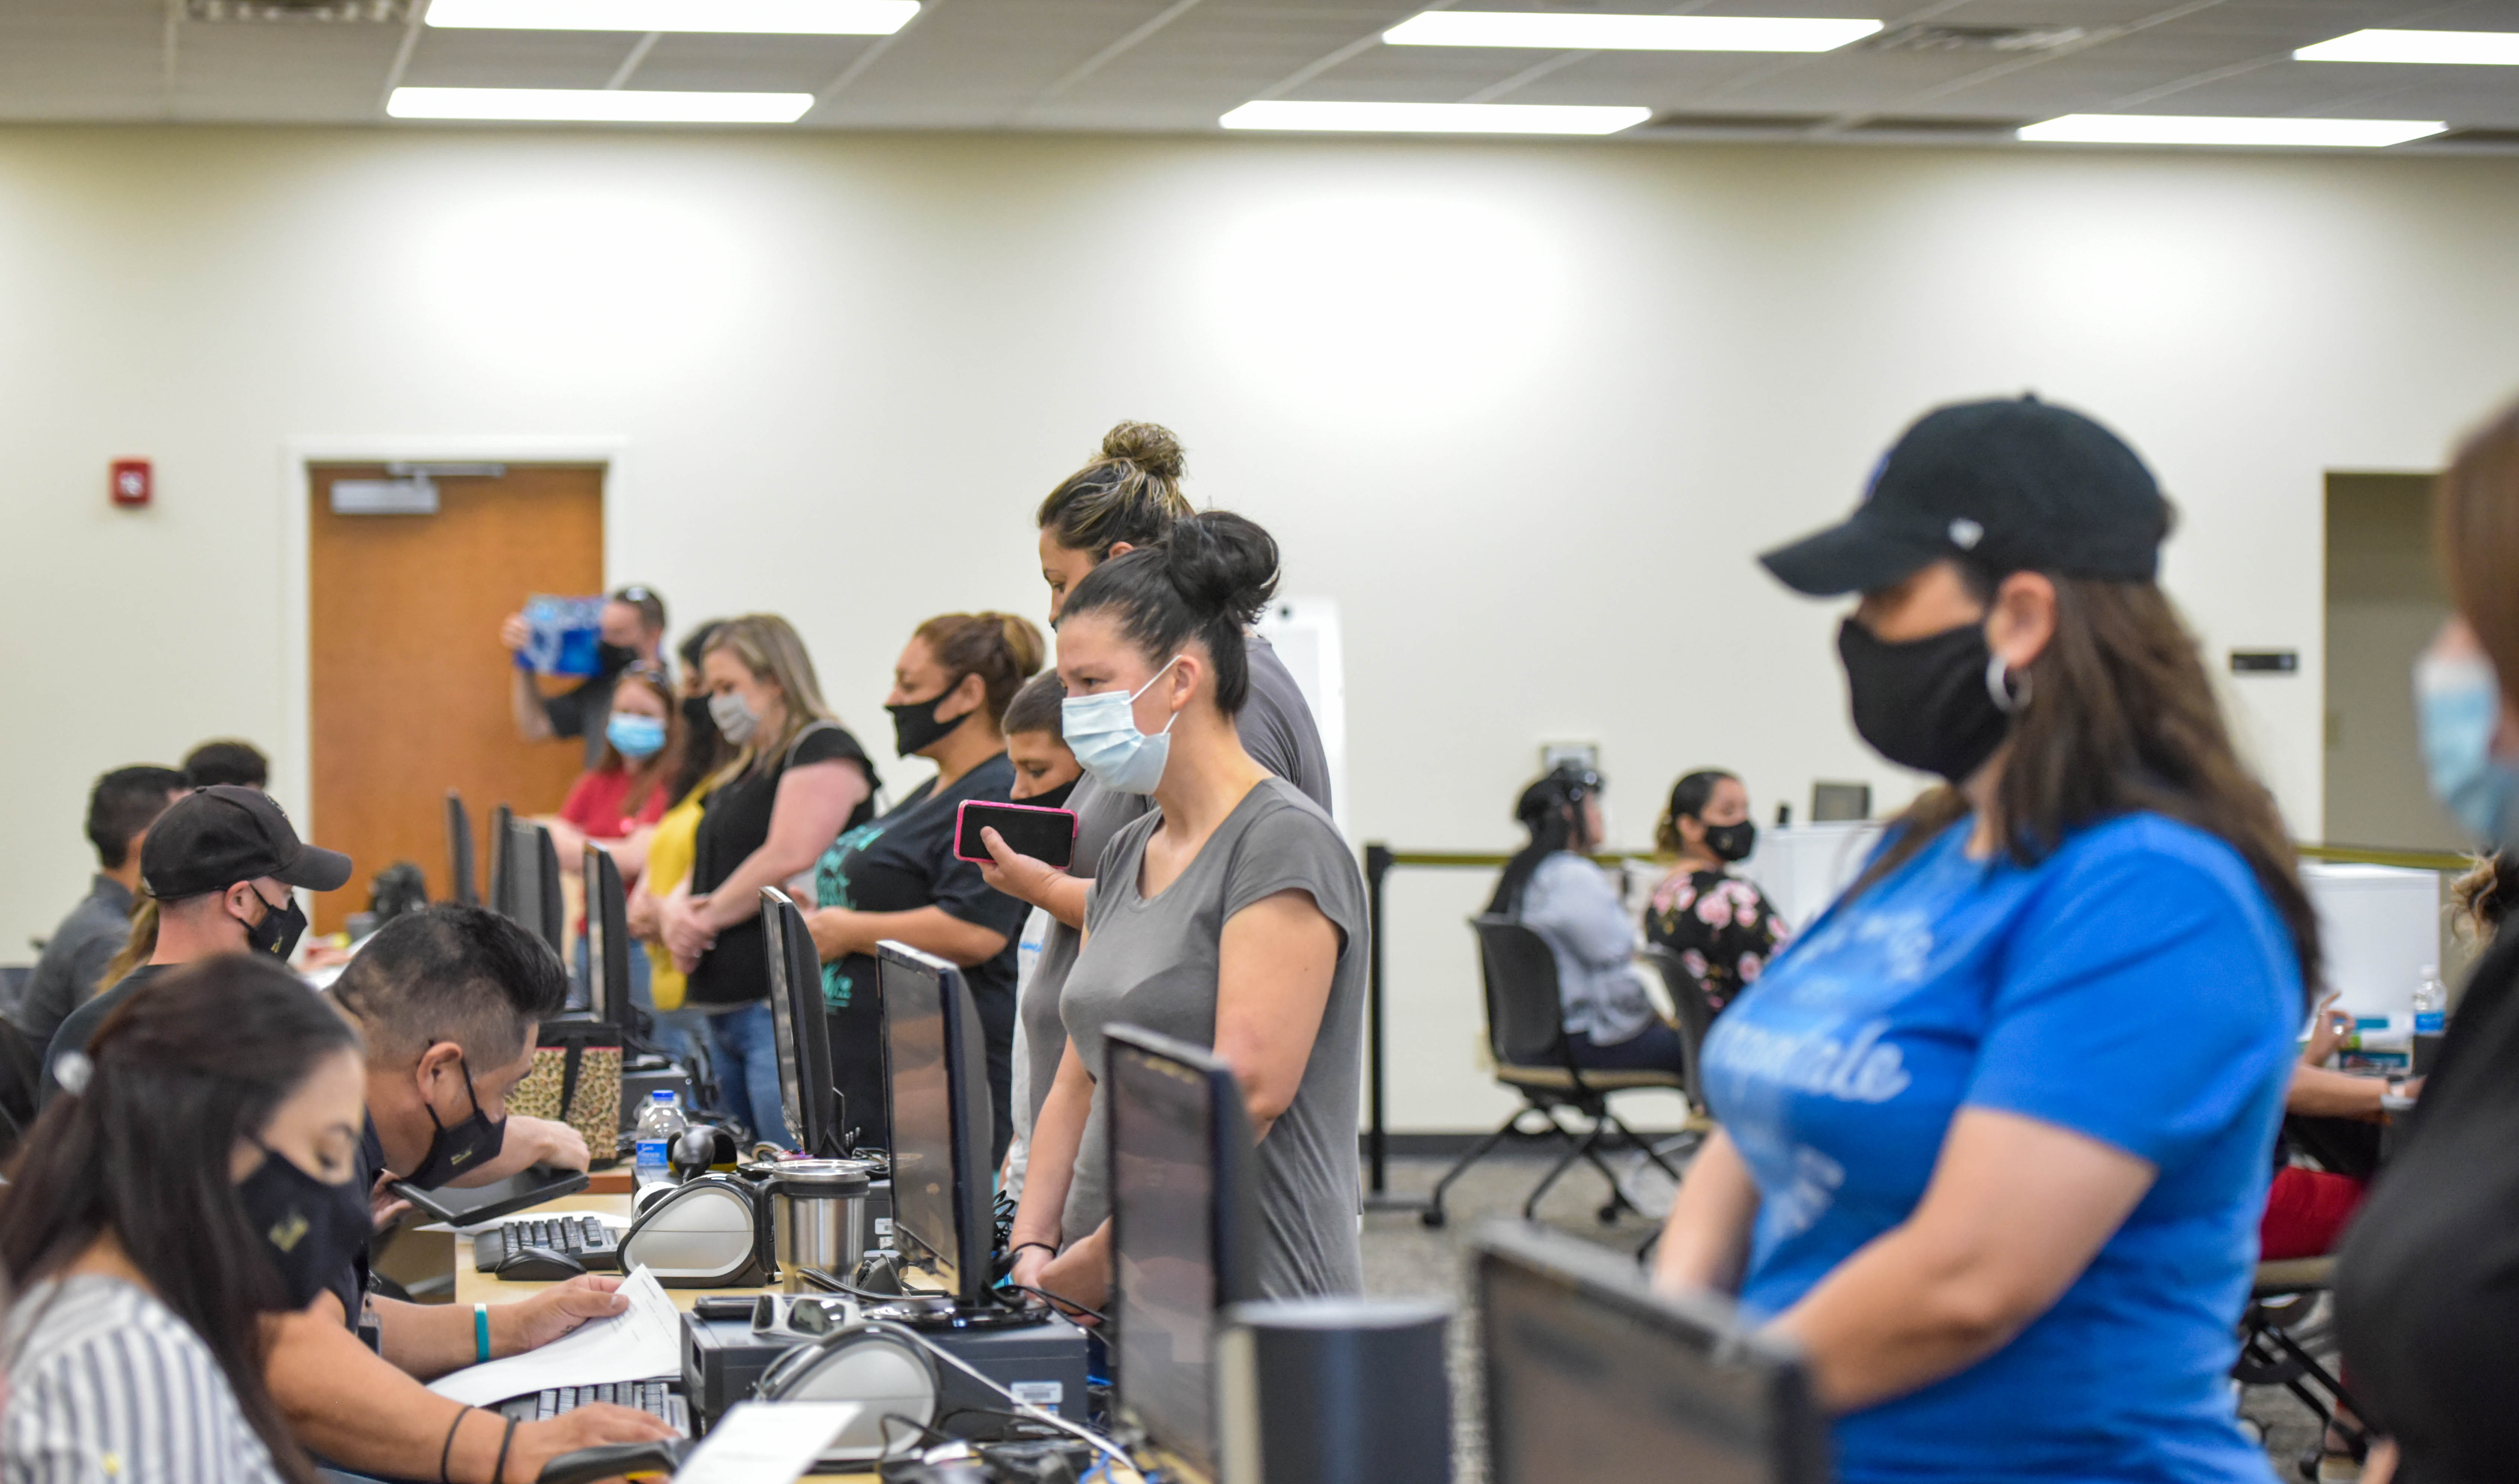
(1527,1035)
(1695,1011)
(2276,1348)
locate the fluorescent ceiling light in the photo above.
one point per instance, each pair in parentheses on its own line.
(599,105)
(2165,129)
(2473,47)
(1562,32)
(1436,117)
(793,18)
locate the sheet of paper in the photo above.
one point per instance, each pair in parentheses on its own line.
(766,1442)
(639,1343)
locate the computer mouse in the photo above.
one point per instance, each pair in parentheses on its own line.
(539,1265)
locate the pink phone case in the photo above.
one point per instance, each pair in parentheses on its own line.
(962,812)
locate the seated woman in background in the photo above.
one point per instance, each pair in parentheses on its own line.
(1721,927)
(896,877)
(1552,886)
(199,1177)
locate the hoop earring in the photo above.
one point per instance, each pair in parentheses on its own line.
(1999,678)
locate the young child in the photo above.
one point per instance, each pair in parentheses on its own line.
(1046,772)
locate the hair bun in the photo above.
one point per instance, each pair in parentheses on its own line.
(1025,647)
(1150,446)
(1223,563)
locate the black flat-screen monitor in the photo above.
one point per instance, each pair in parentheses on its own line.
(533,897)
(1184,1227)
(607,938)
(1592,1376)
(935,1068)
(496,897)
(459,852)
(807,1093)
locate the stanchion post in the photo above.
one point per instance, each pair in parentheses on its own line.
(1377,865)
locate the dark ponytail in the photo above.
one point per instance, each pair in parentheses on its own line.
(1552,809)
(189,1064)
(1206,581)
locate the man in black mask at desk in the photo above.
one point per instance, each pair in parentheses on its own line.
(447,1002)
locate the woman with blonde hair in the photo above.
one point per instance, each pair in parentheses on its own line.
(898,877)
(797,779)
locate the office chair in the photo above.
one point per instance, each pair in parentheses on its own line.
(1526,1019)
(2275,1352)
(1694,1009)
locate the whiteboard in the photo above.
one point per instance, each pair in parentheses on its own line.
(1305,631)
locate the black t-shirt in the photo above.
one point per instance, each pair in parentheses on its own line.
(350,1284)
(582,711)
(899,863)
(2428,1291)
(736,823)
(80,1026)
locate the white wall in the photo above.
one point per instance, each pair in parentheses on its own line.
(1524,412)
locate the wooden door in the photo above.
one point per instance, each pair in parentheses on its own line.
(409,683)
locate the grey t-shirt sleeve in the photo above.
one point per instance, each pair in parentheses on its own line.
(1277,727)
(1288,849)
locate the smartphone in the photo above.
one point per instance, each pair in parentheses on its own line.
(1047,835)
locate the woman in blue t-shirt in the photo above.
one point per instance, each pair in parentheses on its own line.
(1996,1127)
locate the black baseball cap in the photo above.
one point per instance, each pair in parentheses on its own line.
(2012,486)
(215,836)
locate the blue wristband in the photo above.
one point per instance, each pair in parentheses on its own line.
(481,1331)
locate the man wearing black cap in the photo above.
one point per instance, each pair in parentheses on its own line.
(632,633)
(220,866)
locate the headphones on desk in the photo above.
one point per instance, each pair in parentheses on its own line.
(876,1362)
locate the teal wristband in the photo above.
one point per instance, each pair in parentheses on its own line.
(481,1331)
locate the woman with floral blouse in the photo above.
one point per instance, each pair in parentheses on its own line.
(1721,927)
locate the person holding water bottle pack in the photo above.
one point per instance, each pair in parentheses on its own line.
(1994,1130)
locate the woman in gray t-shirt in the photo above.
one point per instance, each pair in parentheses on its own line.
(1232,915)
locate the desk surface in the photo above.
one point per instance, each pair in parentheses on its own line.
(473,1287)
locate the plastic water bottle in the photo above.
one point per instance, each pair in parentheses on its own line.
(660,1123)
(2431,998)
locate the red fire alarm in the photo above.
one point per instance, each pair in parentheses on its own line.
(130,485)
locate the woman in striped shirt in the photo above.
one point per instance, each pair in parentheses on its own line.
(195,1178)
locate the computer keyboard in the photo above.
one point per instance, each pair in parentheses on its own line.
(656,1398)
(594,1245)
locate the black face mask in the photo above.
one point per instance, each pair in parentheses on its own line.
(280,928)
(696,720)
(310,1230)
(1732,842)
(1925,703)
(611,659)
(914,726)
(1051,799)
(462,1148)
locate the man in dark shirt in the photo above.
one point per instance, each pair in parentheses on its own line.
(121,808)
(220,864)
(633,634)
(447,1002)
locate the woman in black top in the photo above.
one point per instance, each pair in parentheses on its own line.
(1721,927)
(2428,1291)
(797,779)
(897,877)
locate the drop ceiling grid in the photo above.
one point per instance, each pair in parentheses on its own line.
(990,64)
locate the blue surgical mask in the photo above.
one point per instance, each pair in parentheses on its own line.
(2457,705)
(1102,732)
(633,736)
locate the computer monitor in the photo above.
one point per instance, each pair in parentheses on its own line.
(607,938)
(533,885)
(808,1094)
(935,1063)
(1592,1376)
(1185,1228)
(496,898)
(459,852)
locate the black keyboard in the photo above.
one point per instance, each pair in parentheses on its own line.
(656,1398)
(583,1238)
